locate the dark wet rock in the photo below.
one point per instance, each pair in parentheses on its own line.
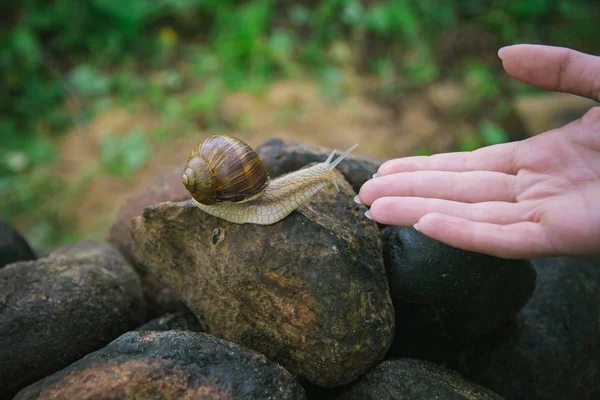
(447,299)
(309,292)
(414,379)
(281,156)
(552,349)
(180,321)
(57,309)
(13,247)
(169,365)
(159,299)
(316,392)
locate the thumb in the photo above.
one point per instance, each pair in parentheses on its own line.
(553,68)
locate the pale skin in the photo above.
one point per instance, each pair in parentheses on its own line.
(533,198)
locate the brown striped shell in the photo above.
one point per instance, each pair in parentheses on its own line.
(224,168)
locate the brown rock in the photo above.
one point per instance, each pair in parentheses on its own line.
(57,309)
(281,156)
(416,380)
(169,365)
(309,292)
(168,187)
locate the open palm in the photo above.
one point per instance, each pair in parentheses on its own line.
(536,197)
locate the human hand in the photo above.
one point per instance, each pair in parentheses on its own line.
(533,198)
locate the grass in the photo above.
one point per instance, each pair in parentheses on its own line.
(64,61)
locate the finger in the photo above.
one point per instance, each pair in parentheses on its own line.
(466,187)
(553,68)
(406,211)
(519,240)
(498,158)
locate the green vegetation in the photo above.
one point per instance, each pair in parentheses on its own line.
(62,61)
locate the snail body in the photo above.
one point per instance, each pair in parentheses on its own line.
(227,179)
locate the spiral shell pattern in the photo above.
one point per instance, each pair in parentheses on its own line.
(237,172)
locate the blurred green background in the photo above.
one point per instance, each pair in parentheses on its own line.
(94,90)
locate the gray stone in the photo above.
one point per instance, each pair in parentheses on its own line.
(552,349)
(169,365)
(416,380)
(57,309)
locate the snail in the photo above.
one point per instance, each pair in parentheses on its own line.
(227,179)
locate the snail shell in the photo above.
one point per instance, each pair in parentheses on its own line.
(227,179)
(223,168)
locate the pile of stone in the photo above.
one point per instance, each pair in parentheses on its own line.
(324,304)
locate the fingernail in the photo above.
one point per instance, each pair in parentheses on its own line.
(501,52)
(357,200)
(368,214)
(416,226)
(375,175)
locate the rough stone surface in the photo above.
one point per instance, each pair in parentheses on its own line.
(57,309)
(446,299)
(309,292)
(13,247)
(169,365)
(552,350)
(180,321)
(414,379)
(281,156)
(168,187)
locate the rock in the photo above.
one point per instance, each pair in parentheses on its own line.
(13,247)
(57,309)
(281,156)
(309,292)
(180,321)
(551,351)
(159,299)
(169,365)
(445,298)
(414,379)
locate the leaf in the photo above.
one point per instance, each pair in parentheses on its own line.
(26,44)
(480,80)
(122,156)
(378,19)
(299,15)
(492,134)
(205,101)
(469,143)
(352,13)
(89,81)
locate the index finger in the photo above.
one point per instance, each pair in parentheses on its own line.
(498,158)
(553,68)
